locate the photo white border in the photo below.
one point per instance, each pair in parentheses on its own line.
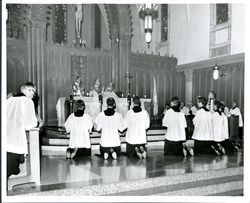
(205,199)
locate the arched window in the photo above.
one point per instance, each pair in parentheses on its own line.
(15,28)
(60,24)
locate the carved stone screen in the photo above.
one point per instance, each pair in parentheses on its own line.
(79,68)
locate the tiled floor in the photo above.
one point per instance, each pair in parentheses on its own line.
(57,172)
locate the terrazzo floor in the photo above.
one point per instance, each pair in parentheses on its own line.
(57,172)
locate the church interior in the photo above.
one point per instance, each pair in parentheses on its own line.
(153,51)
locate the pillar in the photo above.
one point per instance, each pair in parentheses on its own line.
(37,53)
(115,61)
(124,51)
(189,85)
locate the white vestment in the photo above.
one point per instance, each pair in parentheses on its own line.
(236,112)
(79,128)
(136,124)
(109,125)
(218,127)
(176,124)
(203,129)
(20,117)
(225,126)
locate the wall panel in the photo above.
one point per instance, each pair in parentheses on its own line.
(229,86)
(169,82)
(17,64)
(59,77)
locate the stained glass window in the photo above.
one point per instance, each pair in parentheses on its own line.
(164,22)
(15,28)
(221,13)
(60,23)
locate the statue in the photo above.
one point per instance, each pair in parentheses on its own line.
(78,8)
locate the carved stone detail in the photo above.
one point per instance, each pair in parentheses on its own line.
(38,12)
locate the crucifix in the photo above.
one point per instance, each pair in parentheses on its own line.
(128,76)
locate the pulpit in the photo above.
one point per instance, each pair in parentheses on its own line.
(93,107)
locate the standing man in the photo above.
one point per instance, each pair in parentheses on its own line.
(20,117)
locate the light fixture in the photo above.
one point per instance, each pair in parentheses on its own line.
(215,72)
(218,72)
(148,12)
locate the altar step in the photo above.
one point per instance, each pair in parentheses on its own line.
(226,182)
(55,141)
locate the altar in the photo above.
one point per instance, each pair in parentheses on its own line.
(93,106)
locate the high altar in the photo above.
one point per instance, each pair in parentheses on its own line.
(93,107)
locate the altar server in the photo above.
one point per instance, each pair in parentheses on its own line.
(211,100)
(189,117)
(20,117)
(175,135)
(137,122)
(109,123)
(218,129)
(229,145)
(203,130)
(183,108)
(78,126)
(236,121)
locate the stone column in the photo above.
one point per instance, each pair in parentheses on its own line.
(124,51)
(189,85)
(115,61)
(37,53)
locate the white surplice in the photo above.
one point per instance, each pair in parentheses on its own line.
(218,127)
(79,128)
(136,123)
(109,125)
(176,124)
(20,117)
(225,126)
(236,112)
(203,129)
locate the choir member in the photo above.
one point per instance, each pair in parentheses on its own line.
(211,100)
(183,108)
(203,131)
(229,146)
(235,121)
(137,122)
(218,129)
(190,115)
(175,135)
(110,124)
(226,110)
(78,126)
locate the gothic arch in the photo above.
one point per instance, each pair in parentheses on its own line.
(119,20)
